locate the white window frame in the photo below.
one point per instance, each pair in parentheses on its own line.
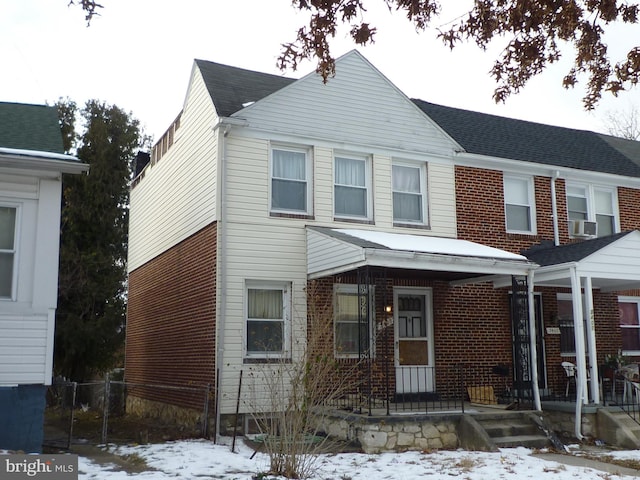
(531,205)
(636,300)
(424,192)
(308,179)
(15,251)
(367,185)
(589,193)
(353,290)
(285,288)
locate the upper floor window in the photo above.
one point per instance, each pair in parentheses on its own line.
(519,204)
(592,204)
(290,180)
(630,324)
(8,249)
(267,319)
(352,192)
(409,187)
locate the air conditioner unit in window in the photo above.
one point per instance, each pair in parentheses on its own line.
(583,228)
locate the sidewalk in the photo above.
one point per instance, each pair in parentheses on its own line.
(581,461)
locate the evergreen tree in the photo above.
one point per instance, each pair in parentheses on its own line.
(93,248)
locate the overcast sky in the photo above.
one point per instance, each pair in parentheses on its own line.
(138,55)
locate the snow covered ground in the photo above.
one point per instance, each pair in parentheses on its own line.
(202,459)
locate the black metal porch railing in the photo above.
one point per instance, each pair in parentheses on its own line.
(413,389)
(627,397)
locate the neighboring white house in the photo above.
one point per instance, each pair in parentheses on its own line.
(32,162)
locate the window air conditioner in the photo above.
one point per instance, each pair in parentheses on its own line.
(584,228)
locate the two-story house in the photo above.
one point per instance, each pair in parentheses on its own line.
(32,162)
(410,217)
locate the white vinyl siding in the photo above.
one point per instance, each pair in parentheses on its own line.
(23,349)
(519,204)
(359,106)
(177,195)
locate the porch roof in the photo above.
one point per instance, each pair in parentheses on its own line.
(612,262)
(334,250)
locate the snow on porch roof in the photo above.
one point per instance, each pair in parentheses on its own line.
(331,251)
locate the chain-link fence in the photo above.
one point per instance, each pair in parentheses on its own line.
(96,413)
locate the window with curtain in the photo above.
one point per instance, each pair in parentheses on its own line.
(351,337)
(266,320)
(408,193)
(518,204)
(8,217)
(351,193)
(289,180)
(629,324)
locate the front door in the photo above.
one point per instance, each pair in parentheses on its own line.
(413,341)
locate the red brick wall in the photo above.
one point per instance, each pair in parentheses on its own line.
(629,206)
(472,328)
(480,210)
(171,321)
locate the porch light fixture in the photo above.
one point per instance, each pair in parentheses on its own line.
(388,309)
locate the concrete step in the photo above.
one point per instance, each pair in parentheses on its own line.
(530,441)
(503,429)
(513,430)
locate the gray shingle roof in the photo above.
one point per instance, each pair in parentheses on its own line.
(231,87)
(30,127)
(502,137)
(479,133)
(548,254)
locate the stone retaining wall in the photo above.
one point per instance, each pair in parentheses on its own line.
(399,433)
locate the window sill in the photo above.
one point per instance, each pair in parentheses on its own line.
(417,226)
(354,220)
(271,360)
(300,216)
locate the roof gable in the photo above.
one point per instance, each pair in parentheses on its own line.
(30,127)
(508,138)
(358,106)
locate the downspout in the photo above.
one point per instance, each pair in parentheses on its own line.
(554,209)
(581,374)
(221,274)
(532,340)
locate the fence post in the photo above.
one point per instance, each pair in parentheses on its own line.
(205,422)
(105,408)
(74,387)
(235,422)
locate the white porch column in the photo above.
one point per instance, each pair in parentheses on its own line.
(591,340)
(578,325)
(532,341)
